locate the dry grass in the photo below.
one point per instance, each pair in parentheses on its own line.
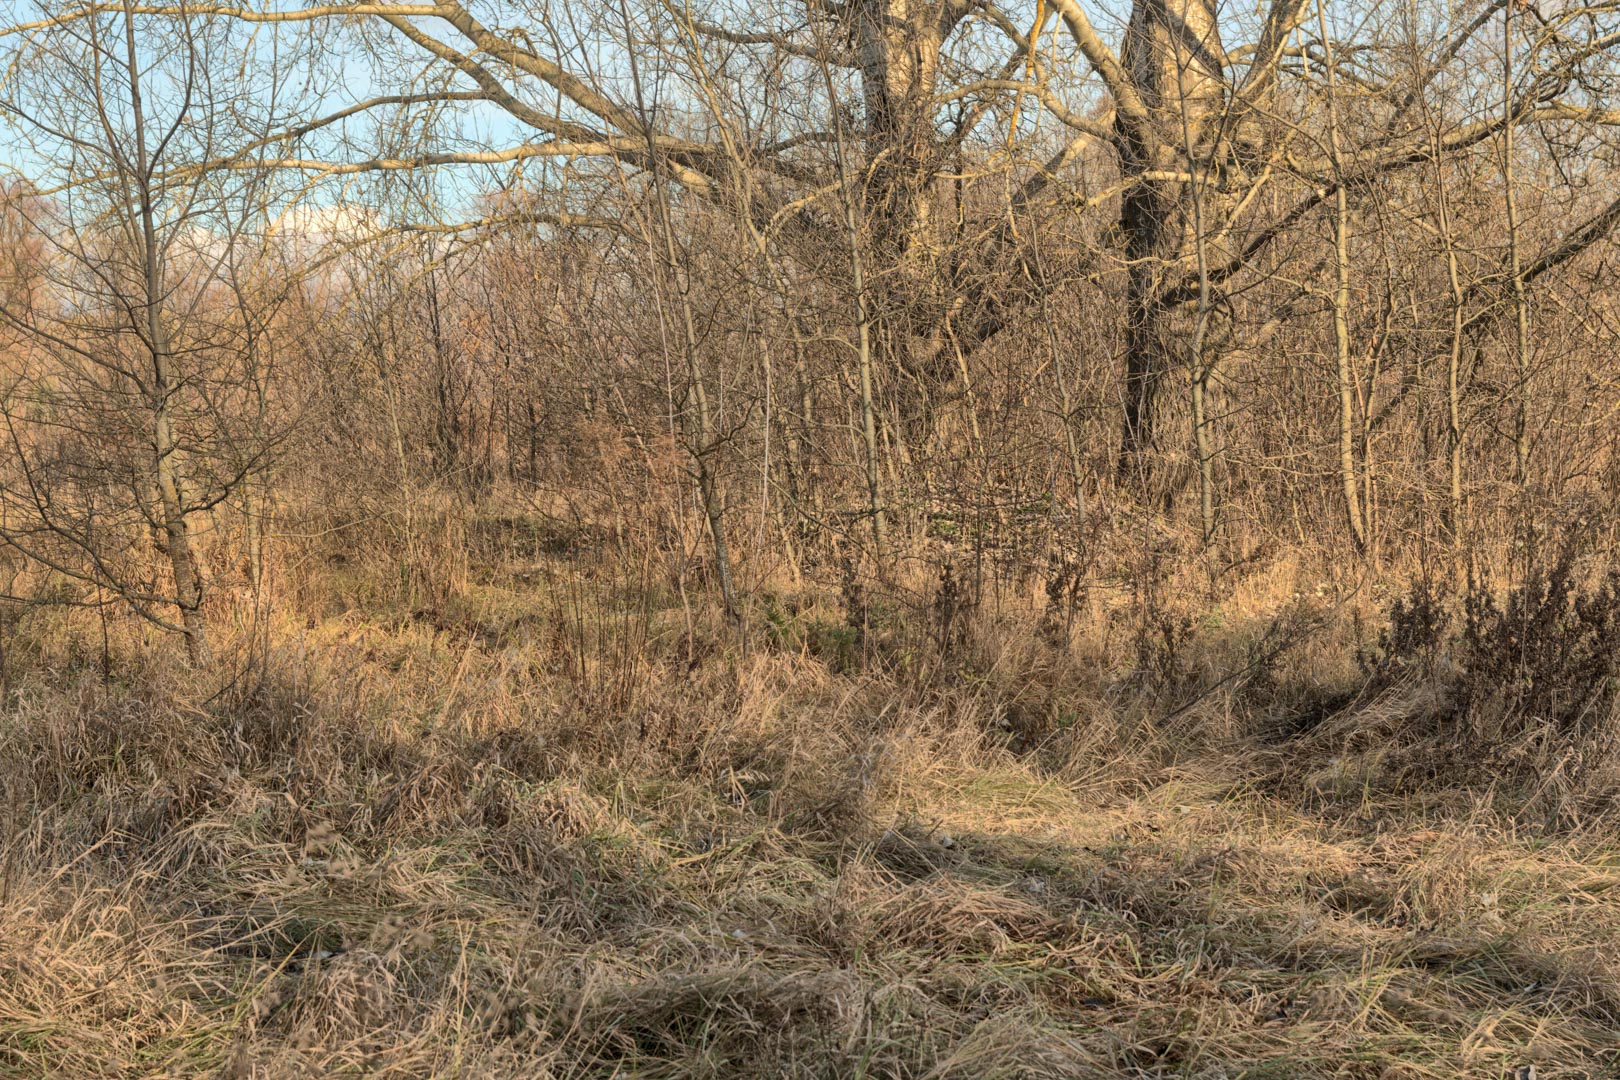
(469,843)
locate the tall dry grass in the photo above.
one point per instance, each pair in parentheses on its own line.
(539,812)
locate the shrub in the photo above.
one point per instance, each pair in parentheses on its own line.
(1543,662)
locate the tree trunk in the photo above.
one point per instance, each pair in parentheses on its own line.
(1341,305)
(1174,60)
(898,45)
(1458,335)
(188,588)
(1521,316)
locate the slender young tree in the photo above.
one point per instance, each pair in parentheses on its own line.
(131,409)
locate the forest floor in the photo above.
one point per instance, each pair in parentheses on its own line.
(511,839)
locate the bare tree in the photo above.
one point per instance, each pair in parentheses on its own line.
(128,408)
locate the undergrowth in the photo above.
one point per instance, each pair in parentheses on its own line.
(553,821)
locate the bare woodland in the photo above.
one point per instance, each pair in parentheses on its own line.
(787,466)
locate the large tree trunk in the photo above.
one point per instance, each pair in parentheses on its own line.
(898,46)
(1173,58)
(899,43)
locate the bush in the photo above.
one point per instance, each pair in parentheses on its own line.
(1529,679)
(1542,663)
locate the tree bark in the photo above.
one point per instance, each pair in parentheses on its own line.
(188,587)
(1174,60)
(1354,512)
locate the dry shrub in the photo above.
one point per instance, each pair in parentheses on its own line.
(1518,683)
(1542,664)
